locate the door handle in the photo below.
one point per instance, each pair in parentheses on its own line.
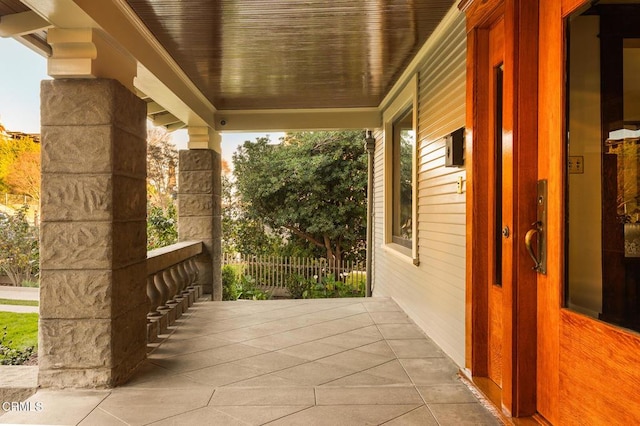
(538,231)
(528,244)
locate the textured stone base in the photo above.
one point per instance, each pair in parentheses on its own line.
(17,383)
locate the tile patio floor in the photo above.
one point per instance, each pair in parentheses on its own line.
(282,362)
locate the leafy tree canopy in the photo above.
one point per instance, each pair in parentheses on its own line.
(19,165)
(19,253)
(312,184)
(162,161)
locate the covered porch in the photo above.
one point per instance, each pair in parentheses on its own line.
(333,362)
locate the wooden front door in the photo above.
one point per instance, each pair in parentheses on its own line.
(588,368)
(570,117)
(502,175)
(500,203)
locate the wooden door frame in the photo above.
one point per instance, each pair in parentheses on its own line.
(517,396)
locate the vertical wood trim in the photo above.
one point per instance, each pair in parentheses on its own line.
(477,203)
(522,45)
(509,186)
(551,88)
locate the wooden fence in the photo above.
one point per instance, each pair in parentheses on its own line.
(273,271)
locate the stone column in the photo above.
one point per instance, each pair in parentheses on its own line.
(199,212)
(93,302)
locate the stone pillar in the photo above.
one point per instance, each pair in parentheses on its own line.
(93,301)
(199,213)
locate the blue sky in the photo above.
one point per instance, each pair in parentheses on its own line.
(21,71)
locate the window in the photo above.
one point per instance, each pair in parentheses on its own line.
(400,173)
(603,163)
(403,179)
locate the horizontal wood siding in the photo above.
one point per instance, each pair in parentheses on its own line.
(433,292)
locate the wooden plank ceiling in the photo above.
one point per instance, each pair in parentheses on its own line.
(265,54)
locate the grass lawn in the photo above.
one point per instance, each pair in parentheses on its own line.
(18,302)
(22,329)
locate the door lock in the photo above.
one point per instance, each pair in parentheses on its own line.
(538,230)
(506,232)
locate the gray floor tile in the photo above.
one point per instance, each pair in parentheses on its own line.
(234,352)
(390,317)
(400,331)
(430,371)
(363,395)
(354,360)
(99,417)
(312,362)
(421,416)
(259,415)
(356,338)
(52,407)
(313,373)
(201,416)
(268,362)
(446,394)
(230,396)
(415,348)
(312,350)
(381,305)
(188,362)
(222,374)
(345,415)
(463,415)
(142,406)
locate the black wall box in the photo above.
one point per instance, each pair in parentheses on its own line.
(454,149)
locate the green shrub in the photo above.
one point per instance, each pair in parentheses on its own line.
(229,283)
(29,283)
(250,291)
(350,285)
(297,286)
(236,285)
(162,229)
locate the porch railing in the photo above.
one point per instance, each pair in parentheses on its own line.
(272,272)
(172,285)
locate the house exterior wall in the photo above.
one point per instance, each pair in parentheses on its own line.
(432,293)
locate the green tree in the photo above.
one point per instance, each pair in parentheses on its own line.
(312,185)
(24,175)
(162,227)
(16,155)
(19,253)
(242,233)
(162,188)
(162,162)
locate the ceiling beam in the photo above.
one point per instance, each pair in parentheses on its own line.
(161,78)
(118,19)
(297,119)
(165,119)
(154,108)
(19,24)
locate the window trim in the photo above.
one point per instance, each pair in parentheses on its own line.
(407,98)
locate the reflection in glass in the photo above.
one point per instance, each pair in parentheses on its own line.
(403,148)
(603,164)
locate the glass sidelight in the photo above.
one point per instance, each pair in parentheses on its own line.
(498,72)
(603,163)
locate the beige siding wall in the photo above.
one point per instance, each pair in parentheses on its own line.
(433,293)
